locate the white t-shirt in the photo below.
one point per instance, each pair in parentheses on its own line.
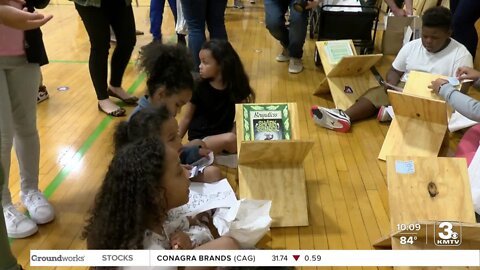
(413,56)
(152,241)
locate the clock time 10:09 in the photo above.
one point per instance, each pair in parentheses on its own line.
(409,227)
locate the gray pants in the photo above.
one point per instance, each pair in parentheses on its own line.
(7,260)
(19,82)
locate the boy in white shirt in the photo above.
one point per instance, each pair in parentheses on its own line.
(436,52)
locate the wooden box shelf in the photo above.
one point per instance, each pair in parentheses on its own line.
(418,128)
(352,71)
(431,190)
(273,170)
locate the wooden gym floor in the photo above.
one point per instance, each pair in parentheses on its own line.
(346,184)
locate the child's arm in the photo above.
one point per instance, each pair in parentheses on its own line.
(393,76)
(185,122)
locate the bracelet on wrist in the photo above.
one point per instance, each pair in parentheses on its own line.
(440,87)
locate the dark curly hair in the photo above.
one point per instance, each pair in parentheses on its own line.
(168,66)
(437,17)
(130,199)
(144,124)
(233,72)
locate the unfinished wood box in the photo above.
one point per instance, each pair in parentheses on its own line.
(273,170)
(424,191)
(352,71)
(418,128)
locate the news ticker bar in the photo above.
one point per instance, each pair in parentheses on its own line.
(255,258)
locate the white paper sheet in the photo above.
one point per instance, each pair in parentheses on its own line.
(458,121)
(204,196)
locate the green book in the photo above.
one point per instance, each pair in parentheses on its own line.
(266,122)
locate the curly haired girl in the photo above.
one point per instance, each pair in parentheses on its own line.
(143,182)
(169,80)
(158,122)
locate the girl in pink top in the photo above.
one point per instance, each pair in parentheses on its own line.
(19,81)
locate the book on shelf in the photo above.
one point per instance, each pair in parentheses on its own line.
(266,122)
(337,49)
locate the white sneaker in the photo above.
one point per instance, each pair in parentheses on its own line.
(40,210)
(295,66)
(18,225)
(283,56)
(230,161)
(334,119)
(383,115)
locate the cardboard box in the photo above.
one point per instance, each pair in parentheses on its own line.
(395,29)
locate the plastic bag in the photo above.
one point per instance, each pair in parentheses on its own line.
(247,222)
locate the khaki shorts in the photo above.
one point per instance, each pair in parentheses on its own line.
(378,95)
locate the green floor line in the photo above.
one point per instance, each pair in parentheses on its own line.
(60,177)
(65,171)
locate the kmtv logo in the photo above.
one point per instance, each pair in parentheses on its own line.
(447,235)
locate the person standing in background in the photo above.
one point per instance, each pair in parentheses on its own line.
(98,16)
(465,14)
(156,19)
(291,38)
(197,14)
(21,53)
(19,19)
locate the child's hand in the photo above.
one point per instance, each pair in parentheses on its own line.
(7,2)
(467,73)
(180,240)
(204,152)
(435,85)
(399,12)
(21,19)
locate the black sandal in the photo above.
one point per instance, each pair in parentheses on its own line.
(117,113)
(130,101)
